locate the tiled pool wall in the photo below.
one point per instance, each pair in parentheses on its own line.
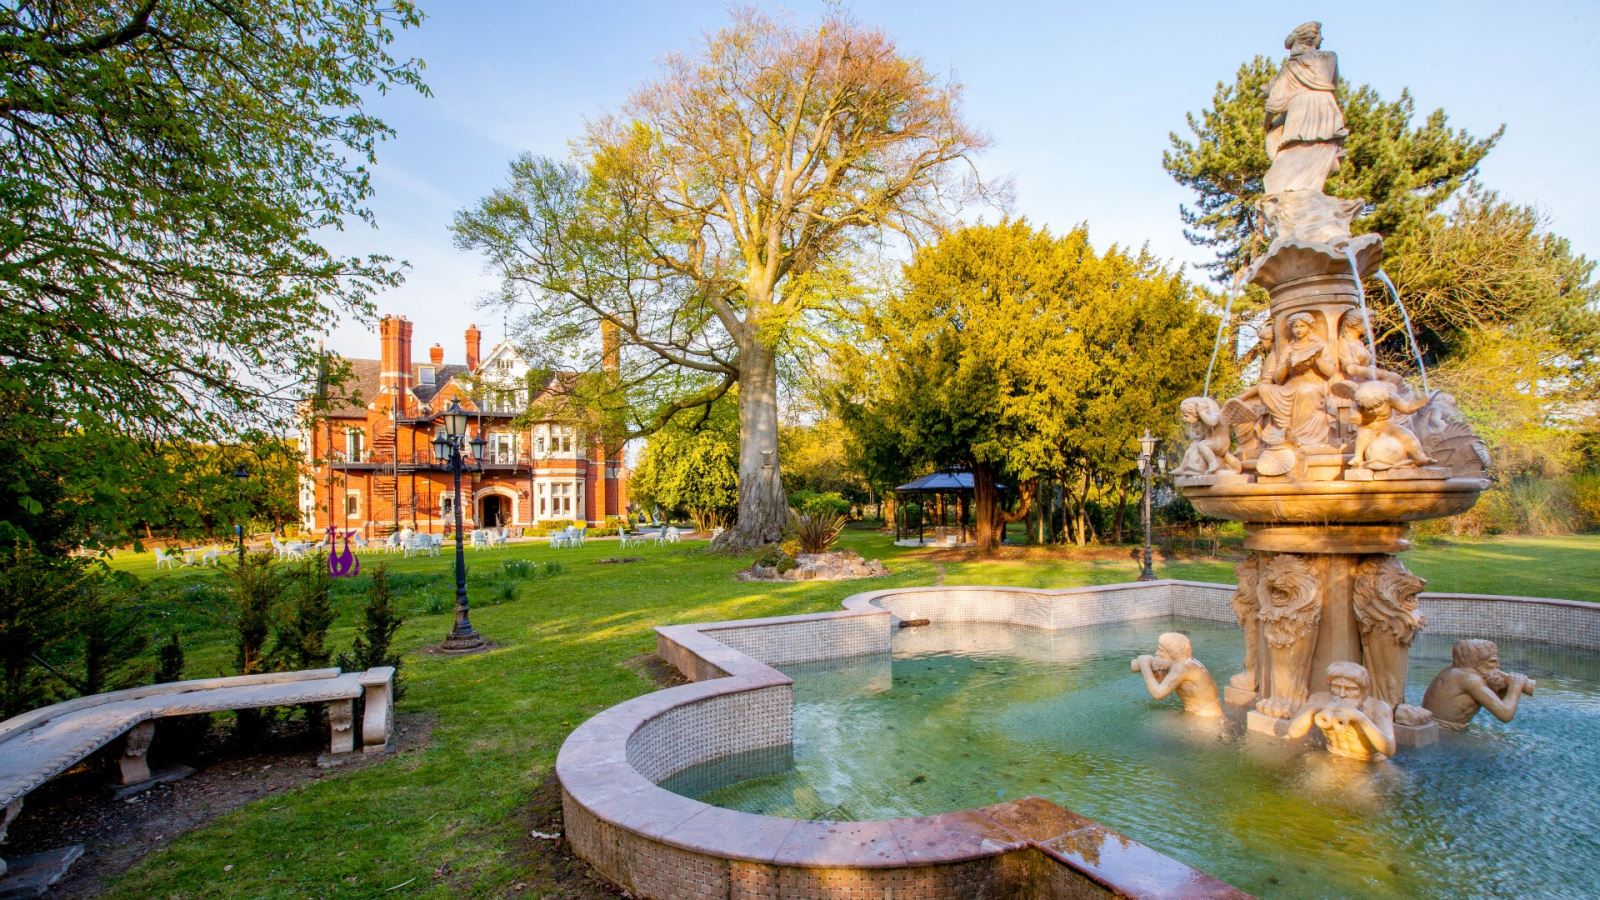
(659,844)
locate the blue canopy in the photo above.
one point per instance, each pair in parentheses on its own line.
(941,483)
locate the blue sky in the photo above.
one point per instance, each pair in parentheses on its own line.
(1078,99)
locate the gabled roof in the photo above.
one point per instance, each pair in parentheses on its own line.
(941,482)
(441,377)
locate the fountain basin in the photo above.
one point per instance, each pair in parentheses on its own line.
(658,843)
(1329,502)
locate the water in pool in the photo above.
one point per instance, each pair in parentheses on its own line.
(975,714)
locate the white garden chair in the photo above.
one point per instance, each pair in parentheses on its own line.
(628,540)
(480,539)
(163,557)
(560,538)
(577,536)
(667,535)
(212,557)
(500,537)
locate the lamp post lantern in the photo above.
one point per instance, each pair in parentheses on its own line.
(1147,460)
(448,444)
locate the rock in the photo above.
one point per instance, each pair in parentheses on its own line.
(839,565)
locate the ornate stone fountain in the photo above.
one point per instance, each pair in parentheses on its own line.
(1328,458)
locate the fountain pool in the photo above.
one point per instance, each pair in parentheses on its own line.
(972,714)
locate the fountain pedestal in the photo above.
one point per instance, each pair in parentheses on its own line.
(1322,583)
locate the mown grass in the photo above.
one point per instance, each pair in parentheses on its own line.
(445,821)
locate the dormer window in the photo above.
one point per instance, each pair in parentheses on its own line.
(425,375)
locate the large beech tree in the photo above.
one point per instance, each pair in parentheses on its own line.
(716,210)
(1021,354)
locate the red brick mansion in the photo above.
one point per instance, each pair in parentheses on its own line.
(371,465)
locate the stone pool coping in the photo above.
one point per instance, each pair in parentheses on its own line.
(660,844)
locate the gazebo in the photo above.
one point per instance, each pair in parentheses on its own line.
(944,504)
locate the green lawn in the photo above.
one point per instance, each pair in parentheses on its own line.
(501,715)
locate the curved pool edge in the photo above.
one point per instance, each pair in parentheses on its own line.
(657,843)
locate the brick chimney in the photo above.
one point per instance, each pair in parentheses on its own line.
(473,339)
(436,355)
(394,369)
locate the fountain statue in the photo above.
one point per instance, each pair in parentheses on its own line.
(1352,721)
(1474,681)
(1328,457)
(1174,668)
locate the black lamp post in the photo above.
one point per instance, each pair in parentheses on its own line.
(448,444)
(243,474)
(1147,460)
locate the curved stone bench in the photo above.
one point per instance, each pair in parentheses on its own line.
(41,744)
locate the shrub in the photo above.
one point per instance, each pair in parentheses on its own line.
(820,503)
(770,556)
(527,568)
(182,731)
(301,639)
(436,604)
(1586,499)
(380,620)
(786,564)
(256,590)
(505,591)
(110,633)
(816,532)
(169,661)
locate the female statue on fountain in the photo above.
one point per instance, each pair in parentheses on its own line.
(1296,398)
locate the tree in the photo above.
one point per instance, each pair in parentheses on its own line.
(715,211)
(1487,265)
(1022,355)
(692,468)
(815,459)
(1403,171)
(165,166)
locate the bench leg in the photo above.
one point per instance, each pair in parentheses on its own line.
(379,718)
(341,719)
(134,762)
(12,810)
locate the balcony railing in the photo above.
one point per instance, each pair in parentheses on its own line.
(423,459)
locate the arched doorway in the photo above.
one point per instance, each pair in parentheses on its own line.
(493,511)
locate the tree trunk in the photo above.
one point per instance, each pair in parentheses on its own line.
(763,508)
(983,496)
(991,520)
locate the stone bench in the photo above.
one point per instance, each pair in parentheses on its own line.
(39,745)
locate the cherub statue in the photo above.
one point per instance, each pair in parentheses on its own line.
(1174,668)
(1474,681)
(1208,439)
(1381,442)
(1354,723)
(1355,360)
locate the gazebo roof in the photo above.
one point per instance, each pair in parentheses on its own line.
(940,483)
